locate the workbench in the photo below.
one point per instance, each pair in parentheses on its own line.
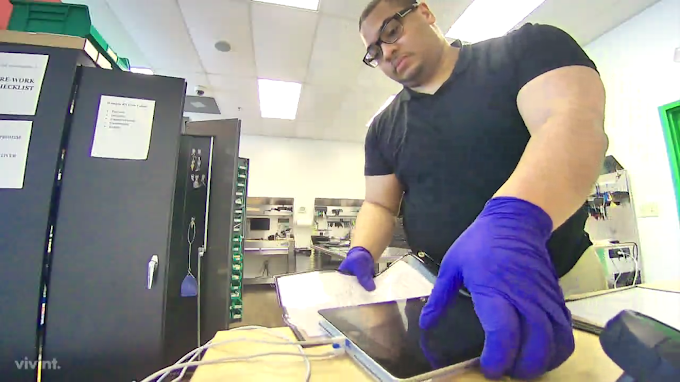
(588,363)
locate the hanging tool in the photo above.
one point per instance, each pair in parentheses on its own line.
(189,287)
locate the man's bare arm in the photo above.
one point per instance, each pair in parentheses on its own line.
(564,112)
(375,222)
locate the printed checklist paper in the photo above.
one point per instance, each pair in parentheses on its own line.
(14,139)
(303,295)
(123,128)
(21,78)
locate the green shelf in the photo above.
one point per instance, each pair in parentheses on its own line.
(236,314)
(236,303)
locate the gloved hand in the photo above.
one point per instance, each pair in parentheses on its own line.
(503,261)
(359,263)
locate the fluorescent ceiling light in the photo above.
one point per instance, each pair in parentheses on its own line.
(141,70)
(279,99)
(312,5)
(384,105)
(485,19)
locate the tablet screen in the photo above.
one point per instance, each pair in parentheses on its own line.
(389,333)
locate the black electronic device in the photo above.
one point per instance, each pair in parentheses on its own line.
(647,350)
(259,224)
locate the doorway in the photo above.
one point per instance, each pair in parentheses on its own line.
(670,120)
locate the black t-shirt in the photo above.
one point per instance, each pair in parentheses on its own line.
(454,149)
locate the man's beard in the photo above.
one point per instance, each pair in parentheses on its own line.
(414,77)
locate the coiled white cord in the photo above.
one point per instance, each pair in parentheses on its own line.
(337,342)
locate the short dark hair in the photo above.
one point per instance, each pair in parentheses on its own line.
(374,3)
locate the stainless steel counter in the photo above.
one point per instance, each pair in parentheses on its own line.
(270,248)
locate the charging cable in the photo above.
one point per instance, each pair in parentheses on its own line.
(338,348)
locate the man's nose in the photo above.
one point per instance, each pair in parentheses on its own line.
(389,52)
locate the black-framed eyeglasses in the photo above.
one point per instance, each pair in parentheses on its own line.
(390,31)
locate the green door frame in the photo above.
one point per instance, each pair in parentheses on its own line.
(670,121)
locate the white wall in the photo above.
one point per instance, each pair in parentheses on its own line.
(303,169)
(636,64)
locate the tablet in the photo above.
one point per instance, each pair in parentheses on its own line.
(386,339)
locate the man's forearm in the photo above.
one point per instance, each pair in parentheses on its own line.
(374,229)
(559,166)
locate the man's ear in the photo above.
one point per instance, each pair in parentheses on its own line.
(424,10)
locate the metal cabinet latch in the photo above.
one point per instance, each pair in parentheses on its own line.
(151,271)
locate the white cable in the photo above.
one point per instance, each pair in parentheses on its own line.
(184,370)
(339,341)
(232,359)
(616,280)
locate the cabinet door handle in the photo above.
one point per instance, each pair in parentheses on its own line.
(151,271)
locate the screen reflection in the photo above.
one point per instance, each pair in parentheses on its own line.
(390,334)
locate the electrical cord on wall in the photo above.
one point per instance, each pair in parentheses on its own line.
(338,343)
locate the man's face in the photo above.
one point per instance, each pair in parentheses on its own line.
(410,50)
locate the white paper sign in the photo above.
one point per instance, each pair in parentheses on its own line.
(123,128)
(14,139)
(21,78)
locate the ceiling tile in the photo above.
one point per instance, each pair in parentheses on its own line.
(372,80)
(235,95)
(321,49)
(278,127)
(283,38)
(447,11)
(209,21)
(113,31)
(308,129)
(337,53)
(320,103)
(348,9)
(158,28)
(193,79)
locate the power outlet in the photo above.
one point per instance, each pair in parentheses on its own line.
(649,210)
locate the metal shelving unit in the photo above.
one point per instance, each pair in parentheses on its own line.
(238,238)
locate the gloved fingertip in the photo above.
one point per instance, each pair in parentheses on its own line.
(368,284)
(492,373)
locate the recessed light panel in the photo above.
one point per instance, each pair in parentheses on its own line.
(278,99)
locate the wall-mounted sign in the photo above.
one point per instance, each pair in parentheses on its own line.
(21,78)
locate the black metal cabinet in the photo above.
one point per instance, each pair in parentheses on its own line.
(183,313)
(216,299)
(25,214)
(103,322)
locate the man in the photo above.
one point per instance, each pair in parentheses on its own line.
(492,149)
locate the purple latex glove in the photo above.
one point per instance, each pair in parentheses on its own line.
(359,263)
(503,261)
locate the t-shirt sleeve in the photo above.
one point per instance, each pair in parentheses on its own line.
(375,161)
(538,49)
